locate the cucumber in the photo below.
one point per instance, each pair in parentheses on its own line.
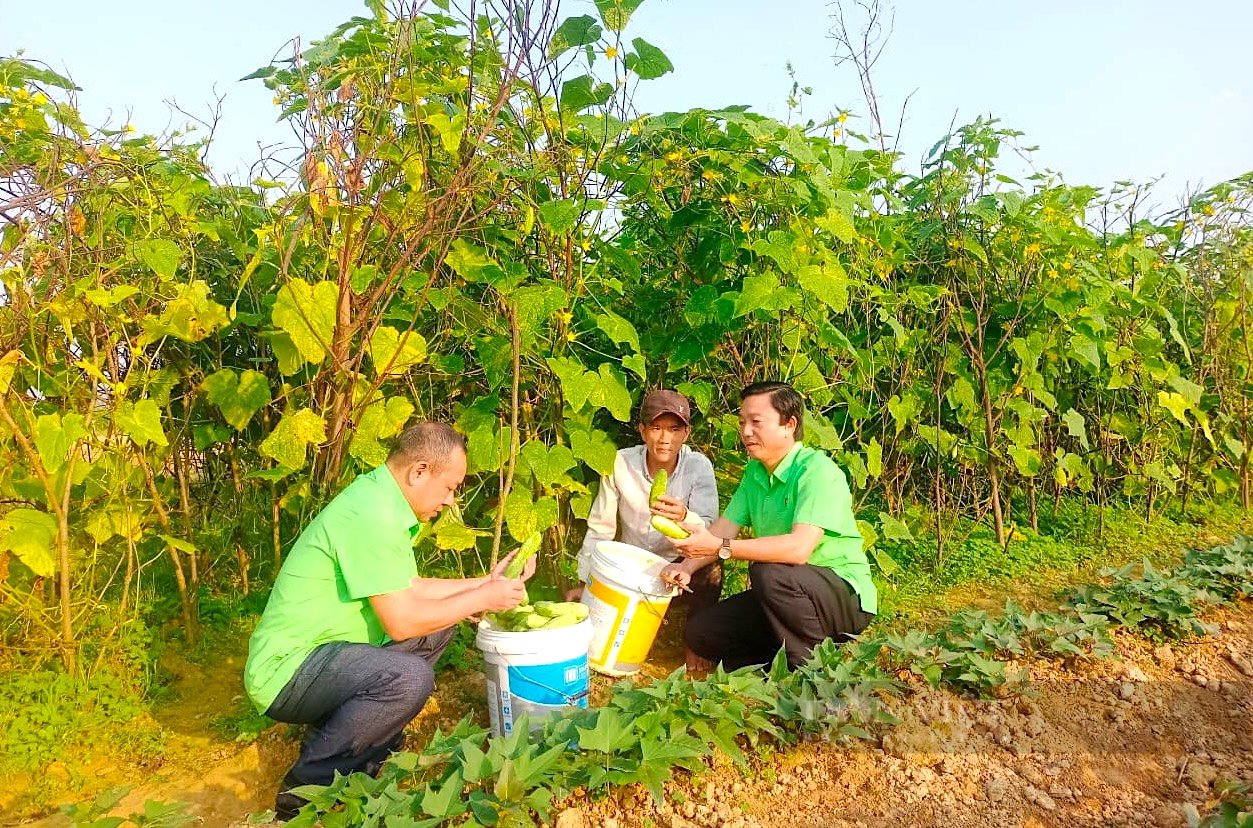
(529,547)
(658,488)
(668,527)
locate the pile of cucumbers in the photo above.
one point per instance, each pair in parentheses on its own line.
(542,615)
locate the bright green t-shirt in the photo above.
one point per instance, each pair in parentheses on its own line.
(807,487)
(360,545)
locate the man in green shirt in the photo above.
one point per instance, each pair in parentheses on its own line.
(810,579)
(349,638)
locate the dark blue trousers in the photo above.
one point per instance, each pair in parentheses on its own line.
(358,698)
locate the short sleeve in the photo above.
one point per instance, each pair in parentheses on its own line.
(823,499)
(371,560)
(737,510)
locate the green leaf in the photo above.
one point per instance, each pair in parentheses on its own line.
(758,293)
(238,397)
(874,457)
(892,529)
(1088,349)
(446,802)
(611,392)
(636,365)
(618,329)
(577,384)
(579,93)
(903,410)
(615,13)
(473,263)
(549,465)
(595,448)
(1026,460)
(560,216)
(307,314)
(160,255)
(288,442)
(393,352)
(1189,390)
(1075,426)
(574,32)
(839,222)
(828,283)
(30,534)
(141,422)
(647,61)
(55,438)
(610,734)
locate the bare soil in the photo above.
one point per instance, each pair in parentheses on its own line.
(1139,740)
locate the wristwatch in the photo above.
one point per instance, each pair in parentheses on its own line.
(724,551)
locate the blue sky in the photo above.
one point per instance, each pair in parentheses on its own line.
(1108,90)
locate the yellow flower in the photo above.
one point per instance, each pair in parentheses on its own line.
(836,133)
(746,226)
(1052,273)
(709,175)
(611,52)
(128,128)
(1032,249)
(674,156)
(635,129)
(732,199)
(1068,265)
(565,316)
(842,117)
(571,336)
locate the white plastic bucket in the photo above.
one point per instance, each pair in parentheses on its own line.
(536,672)
(626,601)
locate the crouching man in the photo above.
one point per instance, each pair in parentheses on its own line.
(351,633)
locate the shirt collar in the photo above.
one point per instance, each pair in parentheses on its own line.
(783,471)
(396,503)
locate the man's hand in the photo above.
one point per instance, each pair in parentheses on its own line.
(528,569)
(500,594)
(700,544)
(669,507)
(676,576)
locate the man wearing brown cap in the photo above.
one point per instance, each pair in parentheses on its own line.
(621,510)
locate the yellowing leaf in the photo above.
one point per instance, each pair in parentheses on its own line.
(190,316)
(307,314)
(30,534)
(393,353)
(290,439)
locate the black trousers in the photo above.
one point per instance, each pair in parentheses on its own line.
(793,606)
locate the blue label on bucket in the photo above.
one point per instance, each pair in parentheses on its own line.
(561,683)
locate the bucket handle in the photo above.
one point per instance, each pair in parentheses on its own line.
(569,699)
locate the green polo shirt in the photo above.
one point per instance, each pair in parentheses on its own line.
(360,545)
(807,487)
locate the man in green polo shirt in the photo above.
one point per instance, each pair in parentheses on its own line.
(810,579)
(351,633)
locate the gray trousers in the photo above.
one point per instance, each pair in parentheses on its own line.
(358,698)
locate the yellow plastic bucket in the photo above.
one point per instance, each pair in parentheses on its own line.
(626,602)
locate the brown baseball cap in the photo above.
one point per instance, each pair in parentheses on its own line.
(657,403)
